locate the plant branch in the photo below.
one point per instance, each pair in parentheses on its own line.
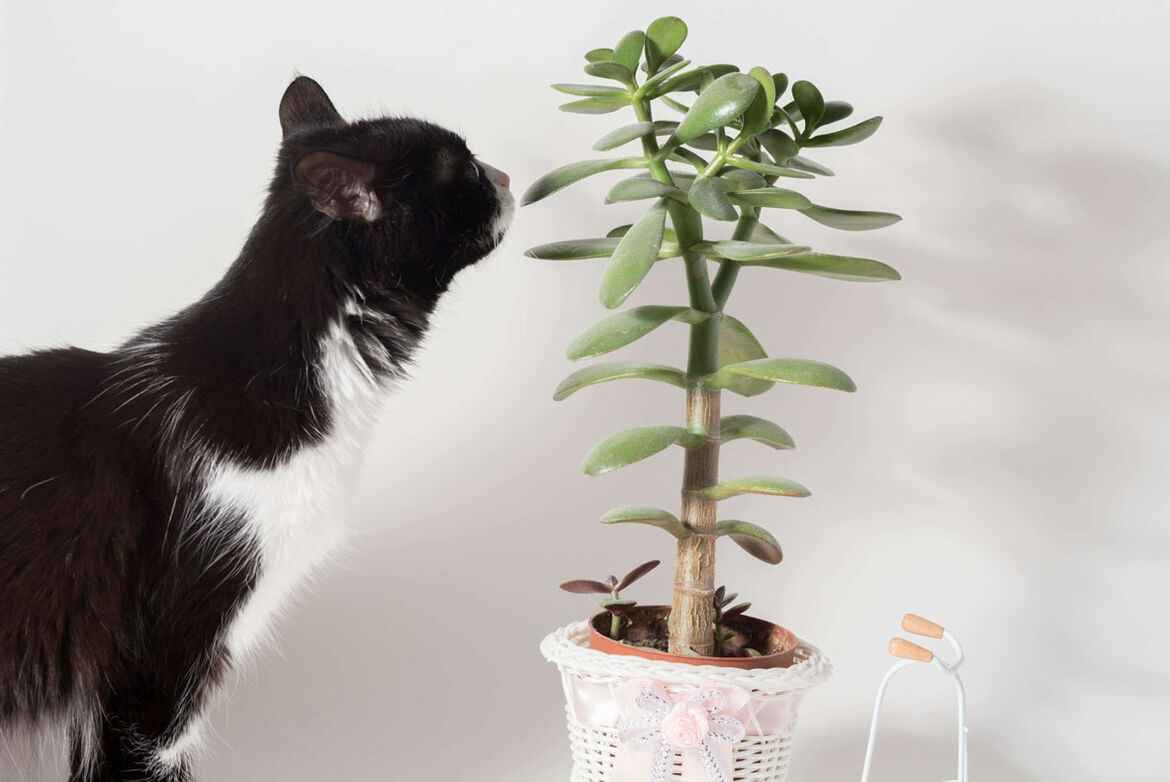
(729,270)
(687,225)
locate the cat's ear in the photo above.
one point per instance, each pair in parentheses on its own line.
(340,187)
(305,104)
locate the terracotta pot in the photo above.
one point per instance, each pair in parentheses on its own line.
(777,644)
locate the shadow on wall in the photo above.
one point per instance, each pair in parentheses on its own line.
(1035,394)
(1054,302)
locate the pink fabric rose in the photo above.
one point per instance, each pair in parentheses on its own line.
(686,725)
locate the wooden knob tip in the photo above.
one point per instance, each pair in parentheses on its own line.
(913,623)
(900,647)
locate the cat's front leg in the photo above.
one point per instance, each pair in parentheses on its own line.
(124,754)
(150,719)
(134,751)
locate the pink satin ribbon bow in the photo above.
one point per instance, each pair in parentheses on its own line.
(699,723)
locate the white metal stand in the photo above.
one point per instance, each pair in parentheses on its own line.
(909,654)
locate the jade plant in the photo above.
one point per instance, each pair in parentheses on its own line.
(736,135)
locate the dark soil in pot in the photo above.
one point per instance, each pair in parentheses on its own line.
(644,634)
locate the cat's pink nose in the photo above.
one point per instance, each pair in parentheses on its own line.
(496,175)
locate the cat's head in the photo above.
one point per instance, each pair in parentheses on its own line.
(407,191)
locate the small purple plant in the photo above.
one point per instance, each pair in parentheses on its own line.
(724,615)
(612,586)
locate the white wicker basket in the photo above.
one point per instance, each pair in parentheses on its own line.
(587,675)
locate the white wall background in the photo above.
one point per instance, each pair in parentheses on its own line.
(1002,467)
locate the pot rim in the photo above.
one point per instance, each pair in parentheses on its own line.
(567,647)
(781,659)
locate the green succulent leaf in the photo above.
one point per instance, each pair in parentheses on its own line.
(779,84)
(735,250)
(756,484)
(670,248)
(762,234)
(737,344)
(836,267)
(626,326)
(679,82)
(634,256)
(738,179)
(639,188)
(681,108)
(708,198)
(783,370)
(787,117)
(720,69)
(664,36)
(718,105)
(801,163)
(684,155)
(835,111)
(774,197)
(610,69)
(629,446)
(599,247)
(708,142)
(650,87)
(850,220)
(595,105)
(592,90)
(638,512)
(599,55)
(729,181)
(618,370)
(573,249)
(669,61)
(779,144)
(811,104)
(759,113)
(628,51)
(574,172)
(768,168)
(753,539)
(655,517)
(737,427)
(627,133)
(851,135)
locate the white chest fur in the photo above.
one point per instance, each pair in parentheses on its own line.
(296,511)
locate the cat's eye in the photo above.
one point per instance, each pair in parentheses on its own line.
(473,170)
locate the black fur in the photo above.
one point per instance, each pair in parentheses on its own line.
(113,602)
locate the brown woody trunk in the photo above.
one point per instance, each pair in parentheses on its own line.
(692,612)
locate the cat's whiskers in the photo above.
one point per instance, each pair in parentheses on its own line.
(24,493)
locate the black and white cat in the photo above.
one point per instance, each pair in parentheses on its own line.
(160,501)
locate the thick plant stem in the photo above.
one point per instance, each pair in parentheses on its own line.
(692,612)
